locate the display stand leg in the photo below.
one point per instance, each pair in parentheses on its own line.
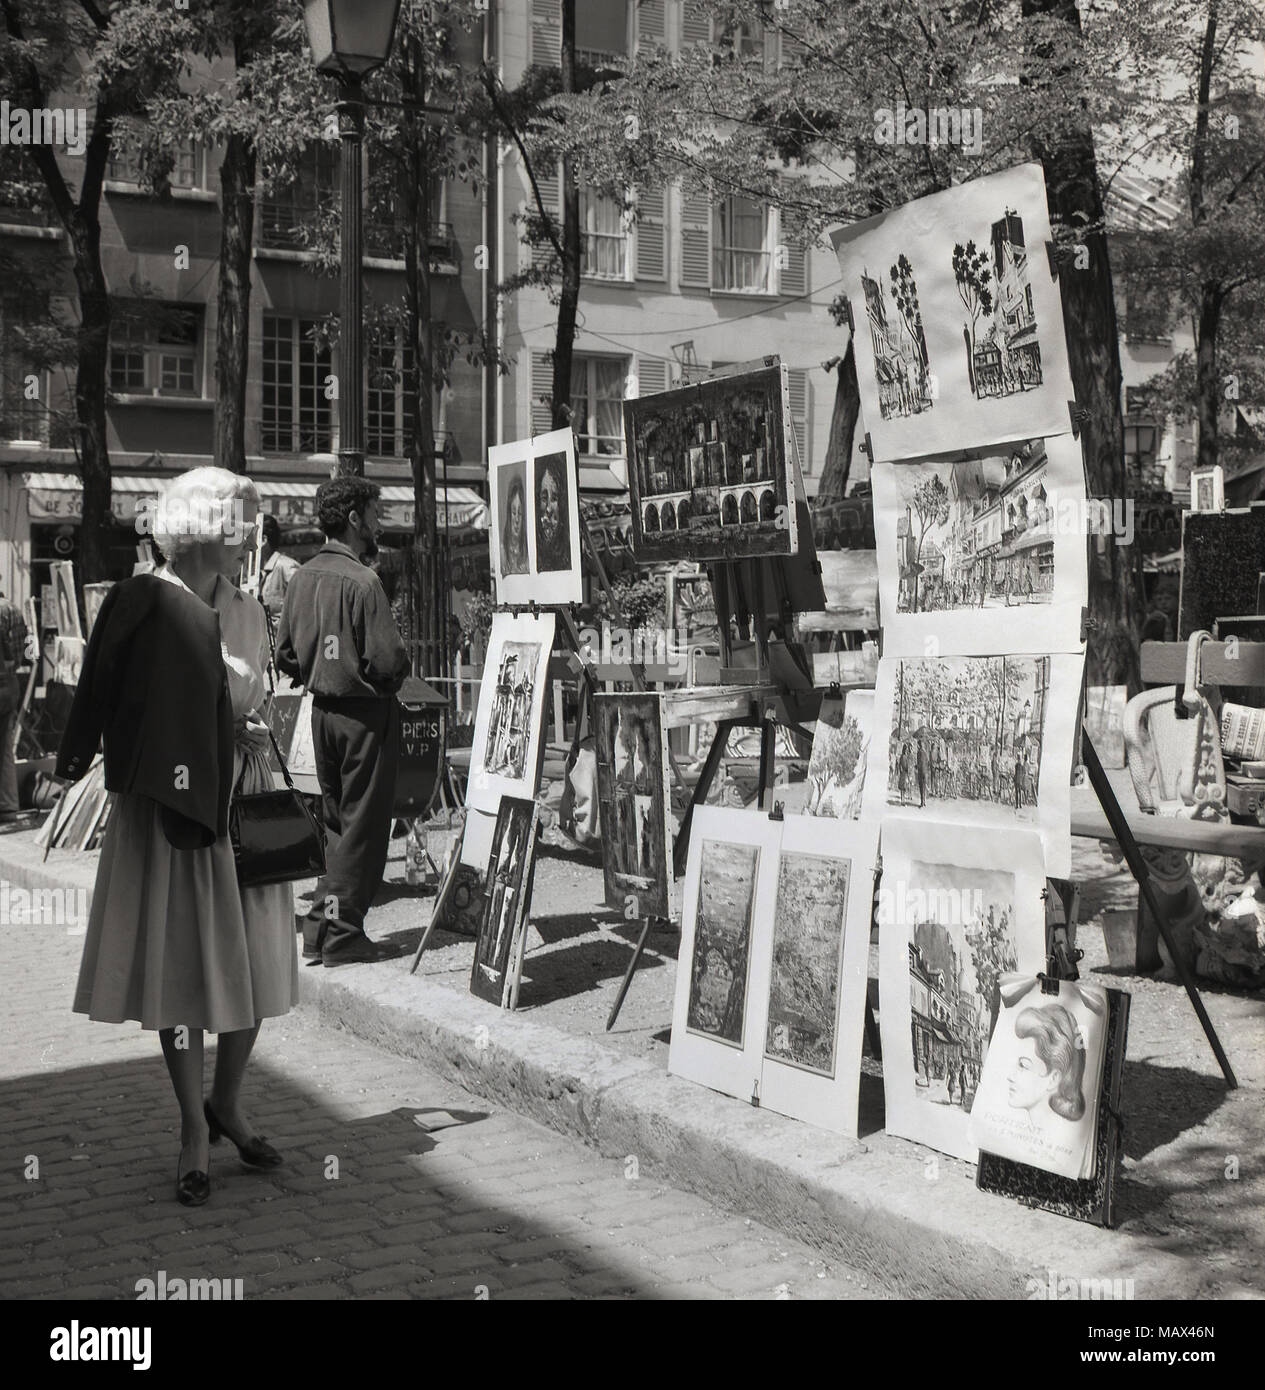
(872,1033)
(680,846)
(441,901)
(628,974)
(1137,867)
(768,749)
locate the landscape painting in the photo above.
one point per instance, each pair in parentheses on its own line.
(951,925)
(841,746)
(985,552)
(535,513)
(497,955)
(956,318)
(720,963)
(509,718)
(985,741)
(632,792)
(710,469)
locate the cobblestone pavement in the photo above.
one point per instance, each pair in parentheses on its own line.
(369,1204)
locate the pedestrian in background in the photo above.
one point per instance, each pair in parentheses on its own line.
(337,637)
(276,569)
(173,679)
(12,655)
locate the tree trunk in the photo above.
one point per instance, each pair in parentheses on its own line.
(93,351)
(232,330)
(843,422)
(569,301)
(1089,312)
(1208,388)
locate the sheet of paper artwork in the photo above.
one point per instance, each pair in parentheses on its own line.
(956,913)
(1104,722)
(958,326)
(68,659)
(817,977)
(984,741)
(535,540)
(509,719)
(497,953)
(985,554)
(1042,1079)
(709,469)
(841,750)
(632,793)
(722,981)
(67,610)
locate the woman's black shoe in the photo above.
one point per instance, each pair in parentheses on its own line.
(256,1152)
(194,1188)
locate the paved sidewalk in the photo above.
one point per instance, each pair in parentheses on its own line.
(494,1207)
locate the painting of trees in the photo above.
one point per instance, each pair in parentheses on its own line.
(992,950)
(905,297)
(931,506)
(972,273)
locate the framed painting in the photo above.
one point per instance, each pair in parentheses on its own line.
(535,508)
(957,321)
(498,951)
(509,719)
(984,741)
(819,956)
(66,607)
(722,981)
(985,554)
(632,793)
(709,469)
(1207,489)
(956,913)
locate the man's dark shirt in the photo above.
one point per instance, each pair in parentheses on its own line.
(337,636)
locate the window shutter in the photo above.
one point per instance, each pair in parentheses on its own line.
(652,375)
(546,32)
(696,239)
(696,24)
(550,184)
(652,23)
(652,247)
(797,389)
(793,277)
(541,393)
(772,49)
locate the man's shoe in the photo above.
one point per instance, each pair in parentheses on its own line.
(359,952)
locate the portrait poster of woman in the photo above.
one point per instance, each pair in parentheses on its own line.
(1038,1093)
(535,507)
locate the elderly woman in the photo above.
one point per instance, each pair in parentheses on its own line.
(173,681)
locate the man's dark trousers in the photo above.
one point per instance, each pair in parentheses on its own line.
(357,746)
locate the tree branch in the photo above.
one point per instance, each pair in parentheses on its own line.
(491,84)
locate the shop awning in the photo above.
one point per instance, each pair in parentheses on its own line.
(59,497)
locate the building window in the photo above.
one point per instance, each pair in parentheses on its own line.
(740,40)
(742,240)
(1148,309)
(597,404)
(601,32)
(290,212)
(156,350)
(605,229)
(386,218)
(131,161)
(297,414)
(23,394)
(391,397)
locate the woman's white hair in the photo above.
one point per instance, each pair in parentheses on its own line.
(202,507)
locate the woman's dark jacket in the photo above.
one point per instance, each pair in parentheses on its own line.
(153,686)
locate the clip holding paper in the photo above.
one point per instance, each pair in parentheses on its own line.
(1077,416)
(868,446)
(1051,250)
(1088,624)
(846,309)
(834,691)
(777,813)
(535,610)
(1049,980)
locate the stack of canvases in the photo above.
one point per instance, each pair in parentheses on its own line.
(979,514)
(535,562)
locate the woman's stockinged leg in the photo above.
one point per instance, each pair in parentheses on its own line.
(182,1051)
(231,1056)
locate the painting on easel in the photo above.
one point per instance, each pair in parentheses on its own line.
(498,952)
(535,542)
(632,792)
(710,469)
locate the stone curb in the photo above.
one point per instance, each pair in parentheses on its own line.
(911,1218)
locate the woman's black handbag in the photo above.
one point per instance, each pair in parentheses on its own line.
(275,837)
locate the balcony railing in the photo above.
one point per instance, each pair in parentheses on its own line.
(386,240)
(287,226)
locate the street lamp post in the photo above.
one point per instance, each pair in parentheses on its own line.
(349,40)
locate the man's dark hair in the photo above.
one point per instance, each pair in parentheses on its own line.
(272,531)
(338,498)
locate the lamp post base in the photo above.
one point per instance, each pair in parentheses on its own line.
(350,463)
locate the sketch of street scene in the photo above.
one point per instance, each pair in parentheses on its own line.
(509,729)
(509,871)
(978,533)
(722,941)
(967,733)
(841,744)
(961,942)
(900,344)
(808,931)
(1003,356)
